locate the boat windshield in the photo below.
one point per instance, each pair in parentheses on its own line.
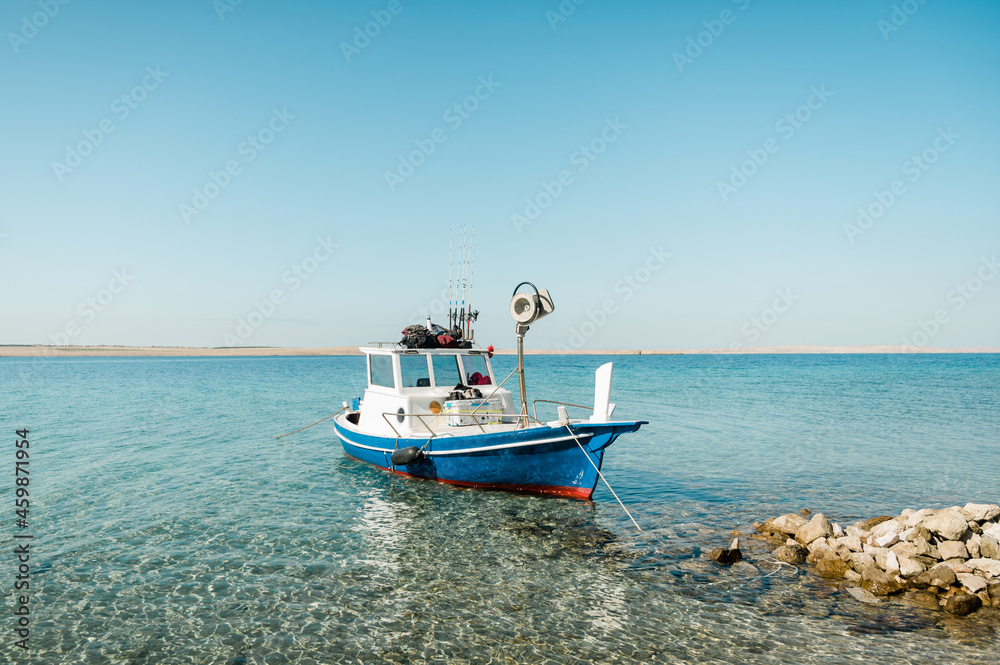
(413,370)
(446,371)
(476,373)
(381,375)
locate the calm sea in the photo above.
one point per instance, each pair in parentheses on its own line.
(171,527)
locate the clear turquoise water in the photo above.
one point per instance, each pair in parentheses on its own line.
(171,527)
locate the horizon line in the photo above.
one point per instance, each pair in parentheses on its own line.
(116,350)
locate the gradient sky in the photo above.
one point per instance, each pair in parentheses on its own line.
(680,127)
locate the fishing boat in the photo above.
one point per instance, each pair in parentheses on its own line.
(433,408)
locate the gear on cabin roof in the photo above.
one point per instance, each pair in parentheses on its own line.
(420,337)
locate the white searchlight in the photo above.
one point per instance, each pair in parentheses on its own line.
(525,309)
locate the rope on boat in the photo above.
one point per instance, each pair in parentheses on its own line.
(570,430)
(315,423)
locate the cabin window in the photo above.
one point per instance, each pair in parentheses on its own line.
(414,371)
(446,371)
(381,371)
(476,373)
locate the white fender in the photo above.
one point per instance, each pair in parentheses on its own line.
(602,394)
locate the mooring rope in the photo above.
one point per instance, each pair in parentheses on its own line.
(315,423)
(570,430)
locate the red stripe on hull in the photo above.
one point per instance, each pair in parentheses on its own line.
(581,493)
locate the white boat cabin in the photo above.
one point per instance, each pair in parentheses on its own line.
(410,393)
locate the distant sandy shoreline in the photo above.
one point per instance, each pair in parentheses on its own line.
(42,351)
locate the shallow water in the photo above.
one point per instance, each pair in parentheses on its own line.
(171,527)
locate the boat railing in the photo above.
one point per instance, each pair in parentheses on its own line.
(534,406)
(418,416)
(504,417)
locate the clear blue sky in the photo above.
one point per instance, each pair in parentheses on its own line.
(670,119)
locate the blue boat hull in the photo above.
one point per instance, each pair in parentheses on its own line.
(546,460)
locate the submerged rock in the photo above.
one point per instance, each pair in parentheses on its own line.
(942,558)
(863,595)
(793,554)
(940,576)
(727,557)
(744,568)
(879,583)
(832,567)
(963,604)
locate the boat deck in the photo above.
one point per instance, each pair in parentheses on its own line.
(429,428)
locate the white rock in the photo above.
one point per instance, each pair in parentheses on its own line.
(974,583)
(953,549)
(989,566)
(972,542)
(838,531)
(909,567)
(852,543)
(948,524)
(891,562)
(887,540)
(989,547)
(819,543)
(817,527)
(880,557)
(992,529)
(852,575)
(957,566)
(860,561)
(980,512)
(855,531)
(905,534)
(791,541)
(889,526)
(788,523)
(868,549)
(919,516)
(906,513)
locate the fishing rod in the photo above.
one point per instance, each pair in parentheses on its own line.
(449,280)
(465,272)
(472,272)
(458,272)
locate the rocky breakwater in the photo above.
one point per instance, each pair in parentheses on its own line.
(948,558)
